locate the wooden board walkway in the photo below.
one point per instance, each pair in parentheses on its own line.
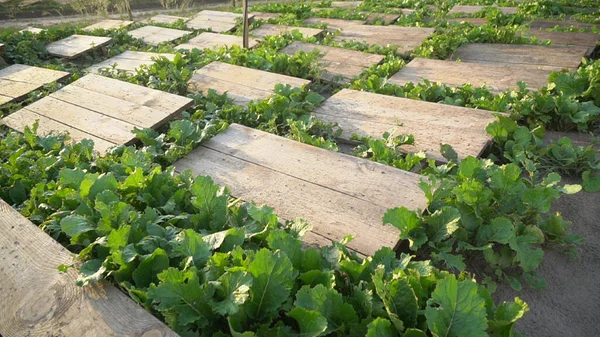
(346,4)
(554,58)
(475,9)
(338,194)
(241,84)
(588,40)
(405,38)
(108,25)
(432,124)
(18,80)
(274,30)
(334,24)
(76,45)
(497,77)
(386,19)
(154,36)
(216,21)
(546,24)
(129,61)
(166,19)
(340,64)
(102,109)
(39,300)
(214,40)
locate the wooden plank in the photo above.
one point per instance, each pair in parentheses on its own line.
(154,36)
(129,61)
(241,83)
(338,194)
(18,80)
(497,77)
(432,124)
(46,126)
(264,15)
(108,25)
(214,40)
(589,40)
(39,300)
(334,24)
(386,19)
(475,9)
(32,30)
(546,24)
(346,4)
(532,56)
(76,45)
(337,61)
(274,30)
(405,38)
(215,20)
(167,19)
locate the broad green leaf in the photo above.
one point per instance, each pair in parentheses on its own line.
(310,322)
(414,333)
(506,315)
(591,182)
(74,225)
(529,258)
(192,246)
(71,178)
(501,230)
(232,290)
(91,271)
(105,182)
(398,297)
(453,261)
(211,200)
(449,153)
(330,304)
(381,327)
(442,223)
(403,219)
(148,270)
(456,310)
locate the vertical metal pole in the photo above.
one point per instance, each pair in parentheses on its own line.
(245,39)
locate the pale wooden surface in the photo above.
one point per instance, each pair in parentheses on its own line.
(216,21)
(537,24)
(32,30)
(154,36)
(338,194)
(346,4)
(167,19)
(386,19)
(432,124)
(215,40)
(405,38)
(496,77)
(241,84)
(17,80)
(531,56)
(39,300)
(76,45)
(333,24)
(476,9)
(337,62)
(274,30)
(109,24)
(128,61)
(264,15)
(98,107)
(474,21)
(589,40)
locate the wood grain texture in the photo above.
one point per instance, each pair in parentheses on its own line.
(108,25)
(214,40)
(18,80)
(154,36)
(129,61)
(405,38)
(338,194)
(38,300)
(340,64)
(432,124)
(76,45)
(216,21)
(530,56)
(589,40)
(333,24)
(475,9)
(497,77)
(167,19)
(274,30)
(242,84)
(346,4)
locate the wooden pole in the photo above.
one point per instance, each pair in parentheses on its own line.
(245,39)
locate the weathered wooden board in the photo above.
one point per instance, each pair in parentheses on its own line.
(39,300)
(386,19)
(274,30)
(338,194)
(76,45)
(241,84)
(475,9)
(346,4)
(530,56)
(432,124)
(32,30)
(589,40)
(167,19)
(496,77)
(216,21)
(264,15)
(156,35)
(334,24)
(545,24)
(98,107)
(18,80)
(108,25)
(215,40)
(129,61)
(340,64)
(474,21)
(405,38)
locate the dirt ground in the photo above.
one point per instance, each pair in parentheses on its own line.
(570,304)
